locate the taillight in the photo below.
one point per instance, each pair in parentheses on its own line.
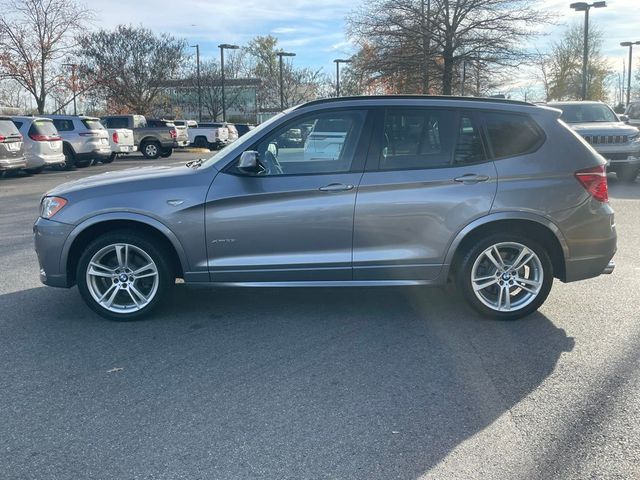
(89,134)
(2,138)
(115,137)
(43,138)
(594,180)
(173,133)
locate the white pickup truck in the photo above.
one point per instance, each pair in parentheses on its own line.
(121,142)
(208,135)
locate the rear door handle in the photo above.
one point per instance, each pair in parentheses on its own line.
(336,187)
(471,178)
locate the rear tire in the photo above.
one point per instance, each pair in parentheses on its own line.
(166,152)
(124,276)
(109,159)
(628,175)
(34,171)
(69,157)
(150,149)
(201,142)
(493,287)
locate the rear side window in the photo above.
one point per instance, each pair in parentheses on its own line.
(511,134)
(63,125)
(92,124)
(8,128)
(634,110)
(43,127)
(115,122)
(18,124)
(417,138)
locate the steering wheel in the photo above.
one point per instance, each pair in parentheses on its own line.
(271,164)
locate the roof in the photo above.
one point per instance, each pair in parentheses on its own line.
(576,102)
(24,118)
(417,97)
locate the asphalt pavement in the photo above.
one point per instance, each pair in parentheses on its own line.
(361,383)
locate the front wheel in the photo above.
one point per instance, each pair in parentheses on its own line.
(505,277)
(123,276)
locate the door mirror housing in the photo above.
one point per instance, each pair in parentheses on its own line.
(249,162)
(624,118)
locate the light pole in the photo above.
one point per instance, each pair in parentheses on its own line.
(338,62)
(585,7)
(630,45)
(197,47)
(223,47)
(280,55)
(73,84)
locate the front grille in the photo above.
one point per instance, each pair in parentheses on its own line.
(606,139)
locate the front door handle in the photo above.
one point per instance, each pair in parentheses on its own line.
(471,178)
(336,187)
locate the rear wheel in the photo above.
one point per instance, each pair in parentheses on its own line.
(166,152)
(150,150)
(33,171)
(505,276)
(123,276)
(201,142)
(109,159)
(69,157)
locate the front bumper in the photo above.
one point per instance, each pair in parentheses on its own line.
(49,238)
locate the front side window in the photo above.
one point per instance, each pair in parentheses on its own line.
(417,138)
(511,134)
(312,144)
(115,122)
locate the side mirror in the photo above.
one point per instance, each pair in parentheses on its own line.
(624,118)
(249,162)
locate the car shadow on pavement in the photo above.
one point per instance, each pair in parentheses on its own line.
(272,383)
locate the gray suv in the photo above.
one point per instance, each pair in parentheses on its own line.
(499,196)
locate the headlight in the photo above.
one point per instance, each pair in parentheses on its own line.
(51,205)
(635,137)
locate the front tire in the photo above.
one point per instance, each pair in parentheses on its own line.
(123,276)
(505,276)
(69,157)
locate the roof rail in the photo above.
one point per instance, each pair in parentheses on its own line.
(416,97)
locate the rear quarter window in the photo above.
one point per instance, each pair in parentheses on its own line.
(511,134)
(92,124)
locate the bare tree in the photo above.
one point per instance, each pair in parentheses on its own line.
(35,36)
(393,31)
(130,64)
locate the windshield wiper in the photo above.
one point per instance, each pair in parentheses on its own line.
(195,163)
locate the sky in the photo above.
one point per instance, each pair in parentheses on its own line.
(315,29)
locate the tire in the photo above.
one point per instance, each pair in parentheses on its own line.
(109,159)
(83,163)
(150,149)
(34,171)
(628,174)
(132,298)
(166,152)
(201,142)
(490,300)
(69,157)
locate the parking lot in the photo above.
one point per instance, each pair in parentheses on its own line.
(315,383)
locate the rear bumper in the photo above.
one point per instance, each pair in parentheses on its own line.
(12,163)
(183,143)
(94,154)
(124,149)
(35,161)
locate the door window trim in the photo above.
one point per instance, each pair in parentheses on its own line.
(360,151)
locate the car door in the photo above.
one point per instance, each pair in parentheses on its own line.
(292,220)
(427,177)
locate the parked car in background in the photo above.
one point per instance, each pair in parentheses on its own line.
(499,195)
(206,135)
(84,139)
(231,128)
(182,136)
(121,141)
(153,141)
(633,114)
(244,128)
(11,146)
(612,138)
(42,143)
(186,123)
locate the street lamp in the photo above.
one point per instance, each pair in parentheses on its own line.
(585,7)
(197,47)
(223,47)
(73,83)
(338,62)
(630,45)
(280,55)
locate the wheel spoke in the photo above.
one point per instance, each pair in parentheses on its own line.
(507,297)
(501,292)
(111,298)
(139,273)
(499,264)
(134,291)
(523,258)
(98,270)
(121,253)
(481,286)
(133,297)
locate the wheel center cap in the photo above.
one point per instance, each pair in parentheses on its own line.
(506,276)
(123,277)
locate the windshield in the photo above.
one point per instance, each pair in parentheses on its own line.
(586,113)
(247,140)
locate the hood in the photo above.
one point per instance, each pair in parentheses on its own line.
(124,177)
(604,128)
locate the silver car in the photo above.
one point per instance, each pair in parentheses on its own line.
(42,143)
(11,147)
(84,139)
(500,197)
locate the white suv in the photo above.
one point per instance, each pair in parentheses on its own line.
(42,143)
(84,139)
